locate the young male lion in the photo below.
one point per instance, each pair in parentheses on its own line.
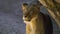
(36,22)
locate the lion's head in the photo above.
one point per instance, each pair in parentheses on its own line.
(29,11)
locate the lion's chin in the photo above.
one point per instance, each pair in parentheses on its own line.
(26,22)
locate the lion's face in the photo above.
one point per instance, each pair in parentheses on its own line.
(29,11)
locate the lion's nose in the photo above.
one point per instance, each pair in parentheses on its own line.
(25,15)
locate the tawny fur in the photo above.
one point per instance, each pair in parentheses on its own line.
(36,22)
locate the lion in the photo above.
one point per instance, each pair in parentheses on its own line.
(36,22)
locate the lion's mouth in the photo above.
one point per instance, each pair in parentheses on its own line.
(26,19)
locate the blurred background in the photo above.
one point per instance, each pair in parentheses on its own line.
(11,17)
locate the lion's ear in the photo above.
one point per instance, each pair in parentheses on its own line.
(24,6)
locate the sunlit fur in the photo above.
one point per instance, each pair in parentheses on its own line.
(36,22)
